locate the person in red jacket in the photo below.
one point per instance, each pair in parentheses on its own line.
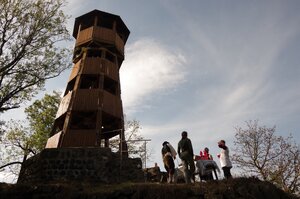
(205,155)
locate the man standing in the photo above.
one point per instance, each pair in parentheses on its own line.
(224,159)
(186,154)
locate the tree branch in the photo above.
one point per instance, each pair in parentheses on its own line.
(11,163)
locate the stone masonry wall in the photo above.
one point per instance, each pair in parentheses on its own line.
(81,164)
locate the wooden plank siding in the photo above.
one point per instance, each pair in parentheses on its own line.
(119,44)
(87,100)
(53,141)
(75,70)
(100,34)
(110,69)
(97,65)
(84,36)
(79,138)
(64,105)
(92,65)
(112,105)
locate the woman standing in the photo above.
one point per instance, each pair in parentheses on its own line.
(224,159)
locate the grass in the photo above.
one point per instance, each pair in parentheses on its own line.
(236,188)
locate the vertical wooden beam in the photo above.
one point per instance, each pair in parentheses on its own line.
(95,21)
(106,143)
(99,118)
(78,33)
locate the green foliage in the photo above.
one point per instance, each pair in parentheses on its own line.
(29,34)
(41,116)
(259,152)
(20,140)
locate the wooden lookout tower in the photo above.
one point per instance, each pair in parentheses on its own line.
(91,112)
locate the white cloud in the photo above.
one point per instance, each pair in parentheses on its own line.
(149,68)
(239,66)
(7,177)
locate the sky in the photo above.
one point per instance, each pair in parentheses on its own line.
(204,67)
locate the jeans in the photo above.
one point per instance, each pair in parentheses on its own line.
(227,173)
(188,169)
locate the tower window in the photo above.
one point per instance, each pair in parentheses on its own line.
(77,54)
(111,126)
(70,86)
(58,124)
(109,56)
(89,82)
(110,85)
(83,120)
(105,23)
(86,24)
(94,53)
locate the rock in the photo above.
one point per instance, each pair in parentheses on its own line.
(98,165)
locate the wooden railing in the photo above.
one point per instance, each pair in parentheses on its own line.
(102,35)
(64,104)
(89,99)
(96,65)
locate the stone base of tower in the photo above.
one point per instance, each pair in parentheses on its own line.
(98,165)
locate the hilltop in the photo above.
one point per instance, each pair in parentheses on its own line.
(232,189)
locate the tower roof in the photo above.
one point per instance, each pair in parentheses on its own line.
(121,27)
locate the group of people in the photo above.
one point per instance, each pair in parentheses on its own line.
(186,154)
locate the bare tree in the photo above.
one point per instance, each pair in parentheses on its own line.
(29,33)
(259,152)
(135,141)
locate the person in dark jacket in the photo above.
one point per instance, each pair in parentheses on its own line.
(186,154)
